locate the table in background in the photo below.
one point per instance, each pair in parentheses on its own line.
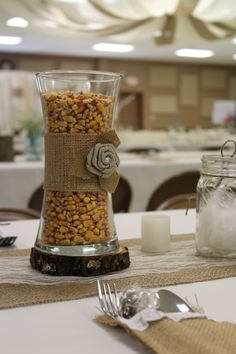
(68,327)
(18,180)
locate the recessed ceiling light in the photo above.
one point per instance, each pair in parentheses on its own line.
(234,40)
(113,47)
(17,22)
(8,40)
(194,53)
(234,56)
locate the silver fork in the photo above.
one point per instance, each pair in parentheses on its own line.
(113,306)
(108,299)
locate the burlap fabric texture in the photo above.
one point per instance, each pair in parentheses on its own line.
(65,162)
(191,336)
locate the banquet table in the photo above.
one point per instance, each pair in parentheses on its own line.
(19,179)
(69,327)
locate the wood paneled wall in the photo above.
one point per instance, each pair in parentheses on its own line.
(164,94)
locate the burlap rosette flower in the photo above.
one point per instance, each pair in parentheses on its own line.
(102,160)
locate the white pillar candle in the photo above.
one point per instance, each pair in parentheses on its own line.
(155,233)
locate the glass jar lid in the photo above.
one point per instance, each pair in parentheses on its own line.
(219,165)
(224,165)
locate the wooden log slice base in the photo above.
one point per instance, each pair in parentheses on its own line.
(84,266)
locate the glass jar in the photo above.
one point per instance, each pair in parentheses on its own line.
(216,207)
(80,161)
(34,146)
(6,148)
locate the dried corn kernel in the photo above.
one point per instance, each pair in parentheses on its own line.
(72,218)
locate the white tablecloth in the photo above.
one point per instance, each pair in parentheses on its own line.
(19,179)
(68,327)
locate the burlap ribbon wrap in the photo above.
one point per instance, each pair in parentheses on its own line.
(81,162)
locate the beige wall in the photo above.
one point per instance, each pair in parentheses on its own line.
(164,93)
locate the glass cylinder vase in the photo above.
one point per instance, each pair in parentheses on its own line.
(216,207)
(80,163)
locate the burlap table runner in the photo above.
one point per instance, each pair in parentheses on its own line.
(191,336)
(21,294)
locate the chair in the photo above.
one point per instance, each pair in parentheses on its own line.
(36,199)
(211,148)
(181,201)
(143,150)
(121,198)
(185,182)
(11,214)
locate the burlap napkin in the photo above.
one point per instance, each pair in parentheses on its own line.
(191,336)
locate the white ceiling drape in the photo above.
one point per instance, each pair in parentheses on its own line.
(125,20)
